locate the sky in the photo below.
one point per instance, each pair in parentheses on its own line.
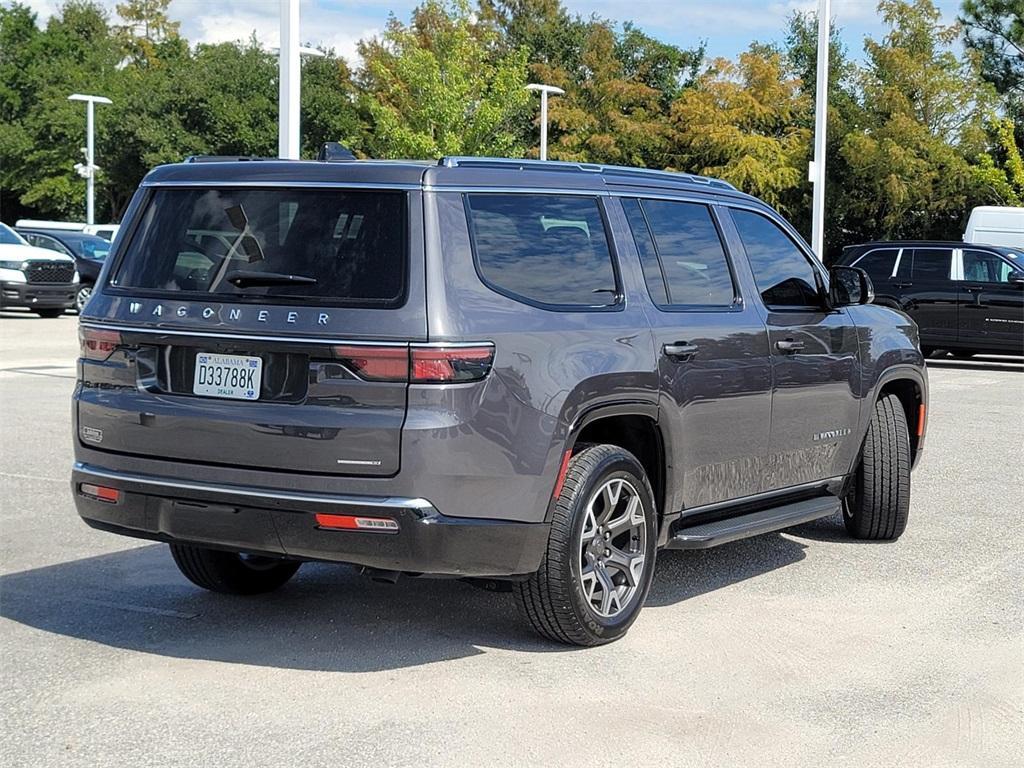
(728,26)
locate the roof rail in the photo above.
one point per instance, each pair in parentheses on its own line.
(608,171)
(224,158)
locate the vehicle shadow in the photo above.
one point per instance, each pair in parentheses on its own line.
(328,618)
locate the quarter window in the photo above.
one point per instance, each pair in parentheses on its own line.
(547,249)
(783,274)
(931,263)
(684,260)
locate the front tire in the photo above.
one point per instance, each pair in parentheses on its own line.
(49,313)
(878,506)
(232,573)
(599,562)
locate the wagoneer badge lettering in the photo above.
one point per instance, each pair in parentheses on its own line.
(290,316)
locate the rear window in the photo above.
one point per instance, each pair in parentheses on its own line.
(932,263)
(550,250)
(328,246)
(878,264)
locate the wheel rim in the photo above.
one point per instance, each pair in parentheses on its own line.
(613,547)
(83,296)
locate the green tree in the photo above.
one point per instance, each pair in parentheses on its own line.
(741,123)
(923,116)
(994,29)
(443,86)
(146,27)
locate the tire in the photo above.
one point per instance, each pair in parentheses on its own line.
(563,600)
(960,354)
(231,573)
(927,352)
(879,503)
(82,297)
(49,313)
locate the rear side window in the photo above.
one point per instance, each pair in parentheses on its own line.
(684,259)
(324,246)
(878,264)
(932,263)
(550,250)
(783,274)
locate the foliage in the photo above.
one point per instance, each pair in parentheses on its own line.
(995,30)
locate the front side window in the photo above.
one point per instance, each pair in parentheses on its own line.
(984,267)
(550,250)
(931,263)
(294,245)
(44,241)
(684,259)
(783,274)
(878,264)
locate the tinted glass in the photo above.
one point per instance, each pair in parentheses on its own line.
(783,274)
(983,267)
(878,264)
(8,237)
(89,246)
(328,246)
(931,263)
(550,249)
(645,246)
(691,253)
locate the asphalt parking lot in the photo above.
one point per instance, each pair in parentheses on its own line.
(797,648)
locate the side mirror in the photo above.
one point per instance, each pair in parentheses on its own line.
(849,286)
(1016,278)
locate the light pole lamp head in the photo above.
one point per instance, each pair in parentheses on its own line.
(552,89)
(86,97)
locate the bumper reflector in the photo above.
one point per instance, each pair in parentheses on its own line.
(357,523)
(100,492)
(921,412)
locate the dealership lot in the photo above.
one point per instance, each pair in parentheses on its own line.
(802,647)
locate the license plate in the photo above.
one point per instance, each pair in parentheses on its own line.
(234,376)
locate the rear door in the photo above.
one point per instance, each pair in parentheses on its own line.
(930,295)
(712,351)
(881,265)
(264,328)
(991,308)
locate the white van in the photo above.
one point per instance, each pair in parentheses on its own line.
(993,225)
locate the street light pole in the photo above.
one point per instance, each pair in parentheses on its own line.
(289,75)
(817,169)
(89,168)
(544,91)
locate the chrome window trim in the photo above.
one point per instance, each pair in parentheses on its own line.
(392,502)
(216,184)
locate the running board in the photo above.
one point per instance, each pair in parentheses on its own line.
(752,524)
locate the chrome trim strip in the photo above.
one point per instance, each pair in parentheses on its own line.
(393,502)
(486,189)
(207,183)
(756,497)
(242,336)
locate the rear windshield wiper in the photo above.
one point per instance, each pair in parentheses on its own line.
(241,278)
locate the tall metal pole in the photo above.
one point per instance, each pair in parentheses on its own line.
(289,74)
(89,168)
(817,170)
(544,91)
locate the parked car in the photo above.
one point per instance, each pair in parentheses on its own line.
(88,251)
(966,299)
(106,231)
(521,370)
(38,279)
(996,225)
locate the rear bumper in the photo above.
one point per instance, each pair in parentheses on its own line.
(41,295)
(258,520)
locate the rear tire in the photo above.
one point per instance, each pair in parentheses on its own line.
(878,506)
(599,562)
(231,573)
(49,313)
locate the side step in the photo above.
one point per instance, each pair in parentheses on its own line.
(767,520)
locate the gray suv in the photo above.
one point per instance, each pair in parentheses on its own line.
(541,373)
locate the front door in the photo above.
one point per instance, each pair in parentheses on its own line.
(991,308)
(815,365)
(713,353)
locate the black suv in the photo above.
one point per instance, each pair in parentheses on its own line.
(88,251)
(966,299)
(500,369)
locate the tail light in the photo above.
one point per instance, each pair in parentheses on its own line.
(375,363)
(97,344)
(451,365)
(419,364)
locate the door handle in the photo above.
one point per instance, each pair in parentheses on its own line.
(789,346)
(680,349)
(973,288)
(904,285)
